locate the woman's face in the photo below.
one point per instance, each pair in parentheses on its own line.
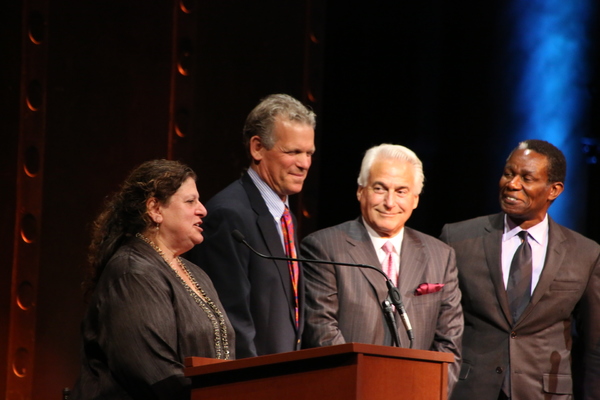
(180,219)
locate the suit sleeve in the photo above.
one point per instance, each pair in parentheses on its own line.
(445,236)
(226,262)
(321,324)
(450,323)
(591,329)
(137,332)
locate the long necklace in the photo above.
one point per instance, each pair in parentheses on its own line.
(201,298)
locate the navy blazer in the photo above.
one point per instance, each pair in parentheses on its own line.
(257,293)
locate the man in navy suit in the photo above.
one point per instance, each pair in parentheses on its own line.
(264,299)
(519,347)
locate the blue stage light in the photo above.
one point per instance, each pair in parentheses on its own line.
(550,54)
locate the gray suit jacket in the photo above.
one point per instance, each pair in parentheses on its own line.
(538,345)
(343,304)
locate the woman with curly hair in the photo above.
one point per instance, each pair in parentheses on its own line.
(149,308)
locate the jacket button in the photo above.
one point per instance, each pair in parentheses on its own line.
(499,370)
(513,335)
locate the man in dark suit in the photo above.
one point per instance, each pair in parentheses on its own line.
(518,345)
(264,299)
(343,304)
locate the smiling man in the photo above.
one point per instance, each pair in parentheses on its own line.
(343,304)
(264,299)
(524,280)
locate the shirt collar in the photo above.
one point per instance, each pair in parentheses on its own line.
(272,199)
(378,241)
(537,232)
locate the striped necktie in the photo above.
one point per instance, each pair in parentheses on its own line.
(518,289)
(390,262)
(287,228)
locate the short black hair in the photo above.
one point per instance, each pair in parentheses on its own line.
(557,163)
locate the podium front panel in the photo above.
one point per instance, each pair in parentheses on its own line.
(343,372)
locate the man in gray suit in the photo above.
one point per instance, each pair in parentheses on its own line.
(519,347)
(343,304)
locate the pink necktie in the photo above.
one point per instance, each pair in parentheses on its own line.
(390,262)
(287,228)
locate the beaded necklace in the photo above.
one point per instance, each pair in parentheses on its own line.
(208,306)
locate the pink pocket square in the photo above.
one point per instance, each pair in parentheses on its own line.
(426,288)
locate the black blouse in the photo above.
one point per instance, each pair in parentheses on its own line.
(139,327)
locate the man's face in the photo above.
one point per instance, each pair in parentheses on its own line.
(388,199)
(284,167)
(525,193)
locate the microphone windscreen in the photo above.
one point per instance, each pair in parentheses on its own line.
(237,235)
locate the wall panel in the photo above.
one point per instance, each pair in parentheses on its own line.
(119,83)
(109,82)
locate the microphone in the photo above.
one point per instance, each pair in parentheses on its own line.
(388,312)
(393,292)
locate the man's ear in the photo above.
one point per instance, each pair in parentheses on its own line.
(154,210)
(555,190)
(416,201)
(256,148)
(359,192)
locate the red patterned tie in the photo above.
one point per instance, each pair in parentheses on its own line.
(287,227)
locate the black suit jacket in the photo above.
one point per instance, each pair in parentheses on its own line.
(257,293)
(538,345)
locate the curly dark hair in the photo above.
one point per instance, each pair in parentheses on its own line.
(125,212)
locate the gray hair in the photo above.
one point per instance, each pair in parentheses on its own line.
(391,152)
(261,119)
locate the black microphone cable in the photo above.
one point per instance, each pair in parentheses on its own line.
(393,292)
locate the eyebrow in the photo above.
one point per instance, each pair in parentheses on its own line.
(386,186)
(523,171)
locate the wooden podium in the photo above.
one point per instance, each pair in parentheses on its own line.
(343,372)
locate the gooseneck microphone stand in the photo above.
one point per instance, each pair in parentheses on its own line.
(393,293)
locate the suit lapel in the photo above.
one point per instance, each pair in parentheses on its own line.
(264,219)
(554,258)
(555,255)
(492,245)
(362,252)
(412,264)
(268,230)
